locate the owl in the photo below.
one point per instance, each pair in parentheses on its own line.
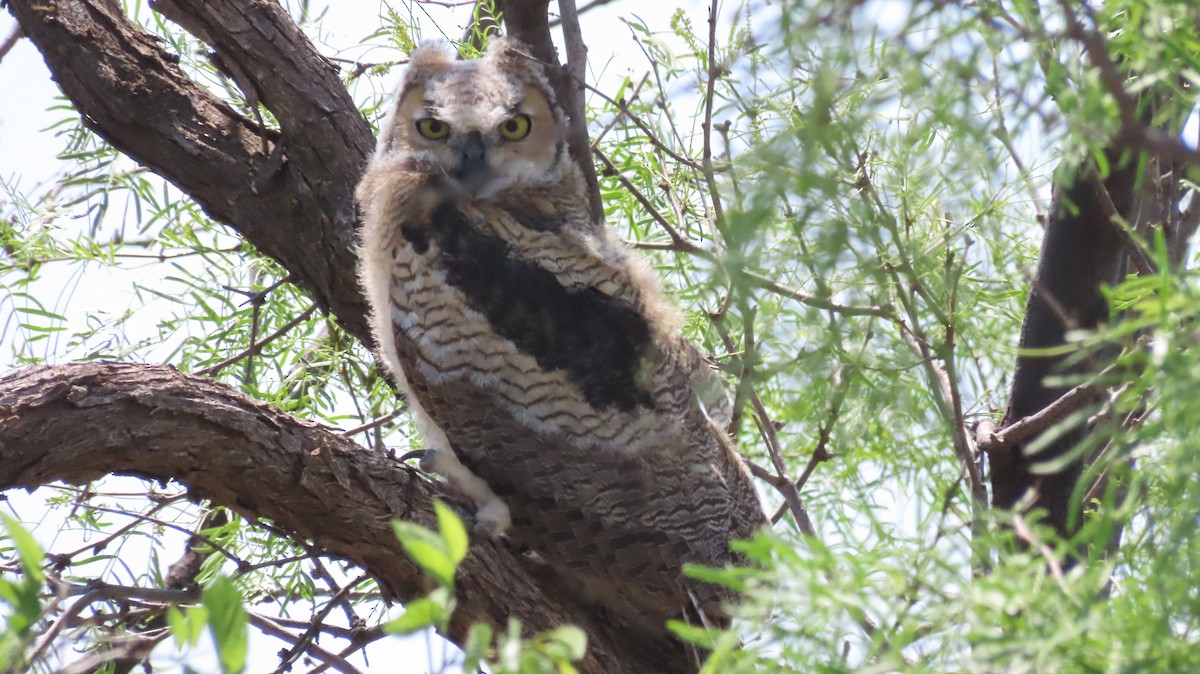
(548,375)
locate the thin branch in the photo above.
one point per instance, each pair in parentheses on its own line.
(304,641)
(10,41)
(820,452)
(104,542)
(258,346)
(620,114)
(1133,132)
(376,423)
(812,300)
(650,135)
(706,163)
(990,440)
(582,10)
(678,241)
(170,525)
(1137,255)
(268,626)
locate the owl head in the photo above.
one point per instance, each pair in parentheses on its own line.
(483,126)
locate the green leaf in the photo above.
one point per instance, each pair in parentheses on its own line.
(453,532)
(23,596)
(187,626)
(431,611)
(227,622)
(566,643)
(533,662)
(29,551)
(509,648)
(479,639)
(427,550)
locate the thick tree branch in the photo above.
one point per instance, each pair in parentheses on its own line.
(76,423)
(294,202)
(1081,251)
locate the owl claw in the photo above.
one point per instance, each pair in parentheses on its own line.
(484,528)
(427,459)
(422,454)
(492,518)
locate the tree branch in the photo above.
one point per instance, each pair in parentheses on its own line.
(294,201)
(77,423)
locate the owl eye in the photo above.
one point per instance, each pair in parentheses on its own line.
(515,127)
(433,129)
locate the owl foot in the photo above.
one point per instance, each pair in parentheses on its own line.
(492,518)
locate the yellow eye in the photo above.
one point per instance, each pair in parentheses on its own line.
(515,127)
(433,129)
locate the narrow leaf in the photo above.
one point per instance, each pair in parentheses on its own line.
(227,622)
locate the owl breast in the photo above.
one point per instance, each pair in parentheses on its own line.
(575,363)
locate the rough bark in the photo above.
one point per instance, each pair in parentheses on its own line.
(77,423)
(292,200)
(289,193)
(1081,251)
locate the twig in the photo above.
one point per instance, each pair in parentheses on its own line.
(1145,266)
(619,116)
(590,6)
(10,41)
(814,301)
(258,346)
(375,423)
(305,640)
(1024,533)
(678,241)
(100,591)
(650,135)
(171,525)
(821,451)
(66,618)
(103,543)
(334,660)
(1133,131)
(991,441)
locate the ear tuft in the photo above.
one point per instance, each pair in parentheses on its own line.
(426,60)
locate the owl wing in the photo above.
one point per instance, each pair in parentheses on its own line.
(623,522)
(591,432)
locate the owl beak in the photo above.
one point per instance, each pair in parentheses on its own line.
(472,159)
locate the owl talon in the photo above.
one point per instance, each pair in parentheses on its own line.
(484,528)
(421,454)
(493,519)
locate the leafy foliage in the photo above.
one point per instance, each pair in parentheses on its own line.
(438,554)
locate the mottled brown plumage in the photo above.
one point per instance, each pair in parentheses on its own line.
(549,376)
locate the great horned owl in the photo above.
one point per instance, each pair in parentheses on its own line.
(549,376)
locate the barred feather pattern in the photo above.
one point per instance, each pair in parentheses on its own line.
(536,348)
